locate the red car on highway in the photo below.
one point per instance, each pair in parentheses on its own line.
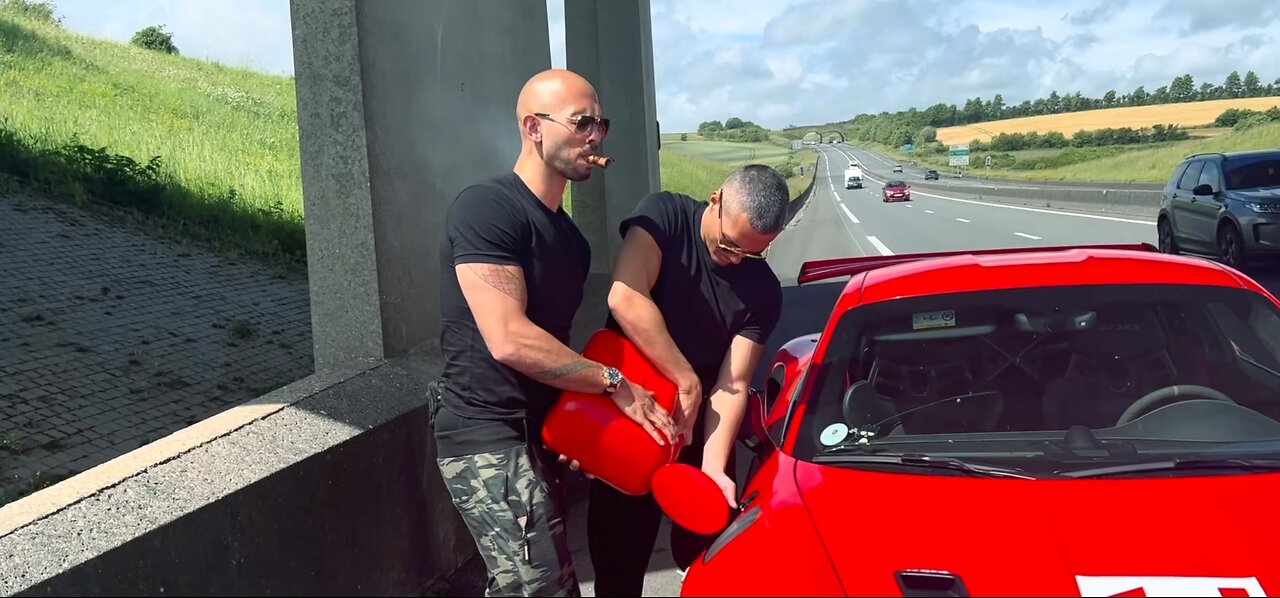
(896,191)
(1063,421)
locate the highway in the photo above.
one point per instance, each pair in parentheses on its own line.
(839,222)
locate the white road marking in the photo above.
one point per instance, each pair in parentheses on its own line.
(1032,237)
(909,206)
(879,246)
(928,211)
(849,214)
(962,220)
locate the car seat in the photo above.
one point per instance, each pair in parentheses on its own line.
(907,377)
(1123,357)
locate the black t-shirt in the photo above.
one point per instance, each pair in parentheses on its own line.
(705,305)
(500,221)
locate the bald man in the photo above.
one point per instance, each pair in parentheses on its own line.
(513,266)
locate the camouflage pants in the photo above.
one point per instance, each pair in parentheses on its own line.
(506,500)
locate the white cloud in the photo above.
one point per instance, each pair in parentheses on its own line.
(780,62)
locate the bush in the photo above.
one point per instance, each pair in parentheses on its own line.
(155,38)
(33,10)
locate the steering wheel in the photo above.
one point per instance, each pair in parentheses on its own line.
(1168,395)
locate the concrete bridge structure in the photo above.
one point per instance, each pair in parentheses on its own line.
(328,486)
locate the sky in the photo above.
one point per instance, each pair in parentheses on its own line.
(785,62)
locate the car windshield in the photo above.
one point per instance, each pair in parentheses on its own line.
(1051,381)
(1255,174)
(895,184)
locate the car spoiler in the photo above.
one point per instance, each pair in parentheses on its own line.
(815,270)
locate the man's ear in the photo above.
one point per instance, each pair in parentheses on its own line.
(532,126)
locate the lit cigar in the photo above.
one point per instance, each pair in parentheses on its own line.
(601,161)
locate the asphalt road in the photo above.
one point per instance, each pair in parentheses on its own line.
(839,222)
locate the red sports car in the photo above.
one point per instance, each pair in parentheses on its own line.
(1087,421)
(895,191)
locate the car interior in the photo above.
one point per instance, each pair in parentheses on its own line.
(1001,369)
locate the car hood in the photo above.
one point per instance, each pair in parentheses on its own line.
(1181,536)
(1258,195)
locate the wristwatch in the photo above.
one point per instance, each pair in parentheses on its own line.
(612,380)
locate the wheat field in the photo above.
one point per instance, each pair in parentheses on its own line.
(1189,114)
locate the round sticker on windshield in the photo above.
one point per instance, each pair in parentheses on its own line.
(835,434)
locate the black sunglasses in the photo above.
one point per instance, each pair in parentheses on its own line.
(583,123)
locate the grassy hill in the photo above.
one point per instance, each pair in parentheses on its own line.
(207,151)
(1187,115)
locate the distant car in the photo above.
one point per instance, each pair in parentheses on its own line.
(931,175)
(897,168)
(853,162)
(1223,205)
(896,191)
(853,178)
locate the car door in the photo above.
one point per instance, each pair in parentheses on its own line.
(1184,215)
(1203,210)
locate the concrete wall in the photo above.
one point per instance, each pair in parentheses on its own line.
(325,487)
(401,104)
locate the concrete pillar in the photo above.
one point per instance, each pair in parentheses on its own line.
(611,44)
(401,104)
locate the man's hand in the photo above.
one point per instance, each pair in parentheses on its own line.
(688,403)
(575,466)
(638,404)
(726,486)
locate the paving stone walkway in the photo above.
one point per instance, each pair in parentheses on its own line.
(110,338)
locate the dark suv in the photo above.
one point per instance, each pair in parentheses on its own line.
(1223,205)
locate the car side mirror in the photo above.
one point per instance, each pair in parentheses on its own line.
(1202,189)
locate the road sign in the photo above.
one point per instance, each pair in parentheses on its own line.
(907,147)
(988,161)
(958,155)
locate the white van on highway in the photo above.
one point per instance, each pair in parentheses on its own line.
(853,178)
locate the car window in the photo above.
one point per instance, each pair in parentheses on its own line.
(1177,174)
(1002,376)
(1191,175)
(1211,176)
(1253,173)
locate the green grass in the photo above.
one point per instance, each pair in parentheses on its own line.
(225,138)
(698,166)
(1150,163)
(1154,165)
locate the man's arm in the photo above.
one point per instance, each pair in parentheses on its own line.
(497,297)
(634,274)
(728,405)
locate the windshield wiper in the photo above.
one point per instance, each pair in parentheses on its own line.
(1177,464)
(917,460)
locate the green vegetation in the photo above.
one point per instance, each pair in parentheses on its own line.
(1131,164)
(697,166)
(210,151)
(733,129)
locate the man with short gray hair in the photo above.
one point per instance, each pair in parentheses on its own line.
(691,289)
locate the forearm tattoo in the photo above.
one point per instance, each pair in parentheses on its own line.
(564,370)
(502,278)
